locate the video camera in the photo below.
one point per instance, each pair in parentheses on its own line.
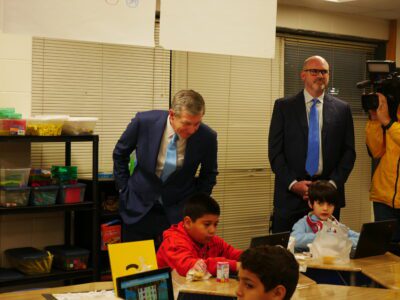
(383,78)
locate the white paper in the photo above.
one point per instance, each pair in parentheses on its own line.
(98,295)
(128,22)
(232,27)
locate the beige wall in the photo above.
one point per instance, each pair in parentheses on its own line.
(15,72)
(15,50)
(307,19)
(398,44)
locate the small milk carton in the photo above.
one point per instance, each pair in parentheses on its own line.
(222,271)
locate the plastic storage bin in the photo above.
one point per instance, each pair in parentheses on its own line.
(9,274)
(44,195)
(69,257)
(12,126)
(45,125)
(30,260)
(79,126)
(14,177)
(14,196)
(71,193)
(11,122)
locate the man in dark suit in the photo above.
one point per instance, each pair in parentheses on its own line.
(298,155)
(170,146)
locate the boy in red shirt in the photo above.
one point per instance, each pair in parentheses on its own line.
(193,243)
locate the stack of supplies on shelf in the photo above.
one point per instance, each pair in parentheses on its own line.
(64,174)
(67,178)
(11,123)
(69,257)
(29,260)
(79,126)
(45,125)
(44,192)
(14,190)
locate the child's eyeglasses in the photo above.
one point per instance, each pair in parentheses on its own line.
(315,72)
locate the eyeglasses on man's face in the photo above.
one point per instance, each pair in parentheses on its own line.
(315,72)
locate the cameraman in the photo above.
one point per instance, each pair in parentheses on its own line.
(383,141)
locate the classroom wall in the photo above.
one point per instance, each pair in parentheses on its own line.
(15,50)
(15,70)
(15,90)
(336,23)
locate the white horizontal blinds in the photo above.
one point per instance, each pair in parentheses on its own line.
(111,82)
(346,60)
(239,94)
(358,206)
(347,66)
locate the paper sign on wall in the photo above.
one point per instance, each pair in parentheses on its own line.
(232,27)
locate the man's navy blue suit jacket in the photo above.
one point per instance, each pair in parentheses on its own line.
(140,191)
(288,141)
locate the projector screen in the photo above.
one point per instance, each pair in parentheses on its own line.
(128,22)
(232,27)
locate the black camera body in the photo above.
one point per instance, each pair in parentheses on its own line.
(383,78)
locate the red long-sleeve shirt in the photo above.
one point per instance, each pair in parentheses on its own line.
(180,252)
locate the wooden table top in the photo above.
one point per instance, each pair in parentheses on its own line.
(307,289)
(387,275)
(210,287)
(38,294)
(340,292)
(355,265)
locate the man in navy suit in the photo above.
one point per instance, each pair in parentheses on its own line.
(289,145)
(152,198)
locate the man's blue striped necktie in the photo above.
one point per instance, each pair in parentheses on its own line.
(171,158)
(313,140)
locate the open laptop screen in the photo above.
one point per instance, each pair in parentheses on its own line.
(150,285)
(375,238)
(275,239)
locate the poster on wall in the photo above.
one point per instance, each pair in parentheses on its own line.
(232,27)
(129,22)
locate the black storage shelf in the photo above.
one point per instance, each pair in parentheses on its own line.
(47,139)
(54,275)
(89,208)
(47,208)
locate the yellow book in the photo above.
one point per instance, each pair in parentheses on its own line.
(130,258)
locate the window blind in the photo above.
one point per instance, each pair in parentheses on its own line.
(111,82)
(239,93)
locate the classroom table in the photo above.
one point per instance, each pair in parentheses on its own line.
(308,291)
(208,287)
(387,275)
(214,288)
(341,292)
(354,265)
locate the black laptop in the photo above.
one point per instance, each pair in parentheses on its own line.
(375,238)
(281,238)
(155,285)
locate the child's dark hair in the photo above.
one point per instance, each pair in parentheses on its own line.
(322,191)
(200,204)
(273,265)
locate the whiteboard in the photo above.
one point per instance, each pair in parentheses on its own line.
(129,22)
(232,27)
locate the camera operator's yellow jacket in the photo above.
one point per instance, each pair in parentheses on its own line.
(385,144)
